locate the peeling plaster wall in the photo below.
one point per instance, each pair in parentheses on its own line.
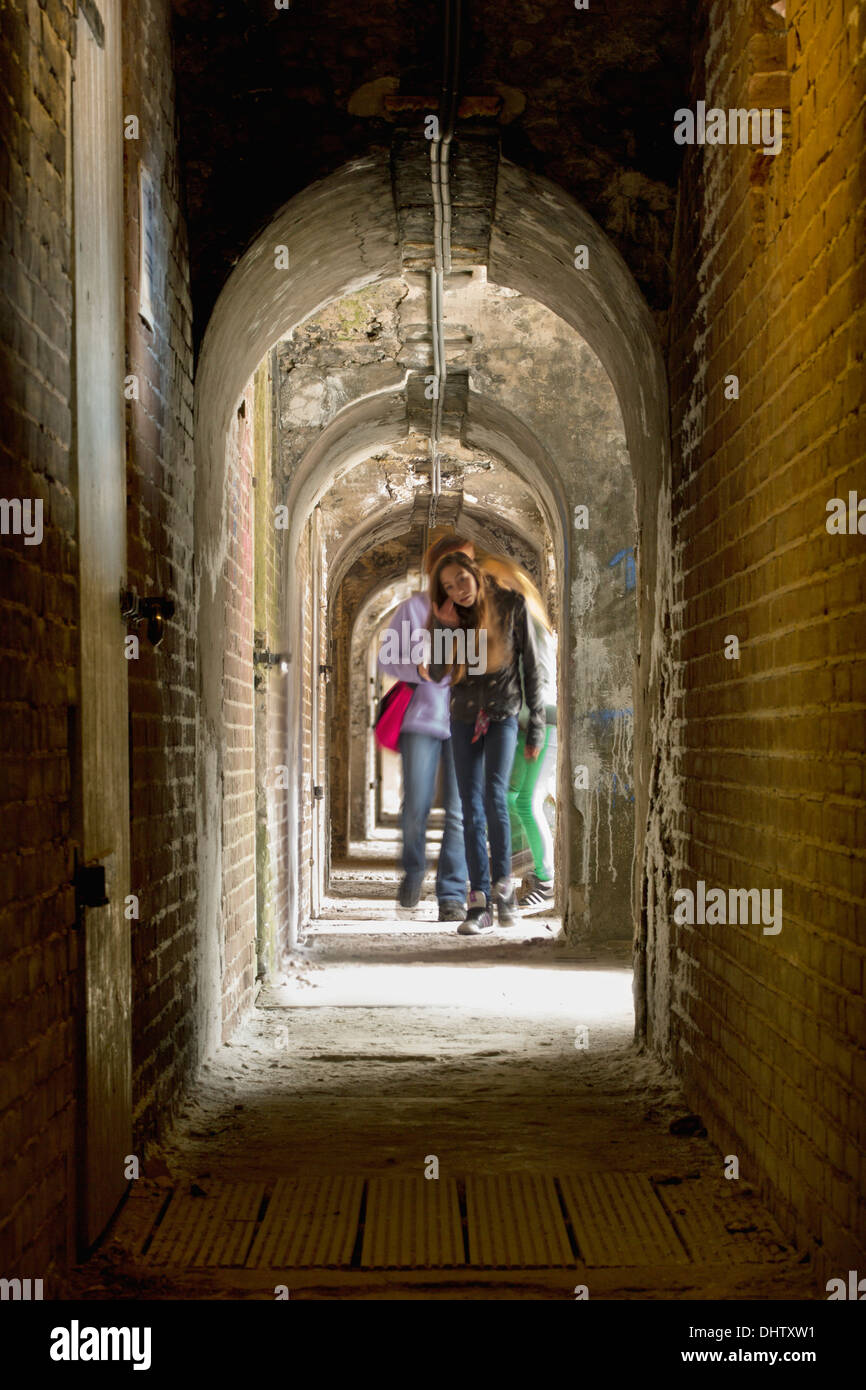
(568,403)
(569,409)
(535,229)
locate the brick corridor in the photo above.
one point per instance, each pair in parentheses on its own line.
(247,379)
(301,1159)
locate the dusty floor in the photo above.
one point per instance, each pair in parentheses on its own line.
(388,1041)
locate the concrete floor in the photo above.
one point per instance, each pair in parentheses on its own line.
(387,1041)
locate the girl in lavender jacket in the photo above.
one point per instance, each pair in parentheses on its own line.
(425,744)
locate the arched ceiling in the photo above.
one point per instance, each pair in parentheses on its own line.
(342,236)
(272,100)
(516,372)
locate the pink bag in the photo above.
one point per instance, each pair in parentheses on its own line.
(392,707)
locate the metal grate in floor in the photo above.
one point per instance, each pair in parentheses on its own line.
(310,1223)
(618,1220)
(412,1223)
(503,1221)
(515,1221)
(214,1229)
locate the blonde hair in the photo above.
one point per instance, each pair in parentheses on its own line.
(446,545)
(512,576)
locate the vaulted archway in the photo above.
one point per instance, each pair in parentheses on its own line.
(341,236)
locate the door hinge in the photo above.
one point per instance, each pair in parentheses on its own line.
(89,881)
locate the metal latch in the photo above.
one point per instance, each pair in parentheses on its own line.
(89,883)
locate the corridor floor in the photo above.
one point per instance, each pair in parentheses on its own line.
(509,1059)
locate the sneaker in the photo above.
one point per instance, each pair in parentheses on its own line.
(450,910)
(410,891)
(505,899)
(537,892)
(479,917)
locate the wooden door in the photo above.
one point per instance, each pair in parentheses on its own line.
(106,1082)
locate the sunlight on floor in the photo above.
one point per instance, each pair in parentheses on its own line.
(523,991)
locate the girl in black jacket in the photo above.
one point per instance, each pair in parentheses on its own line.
(493,638)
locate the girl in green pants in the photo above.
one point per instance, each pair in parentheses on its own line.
(531,782)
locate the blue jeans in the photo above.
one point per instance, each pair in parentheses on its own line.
(483,772)
(421,754)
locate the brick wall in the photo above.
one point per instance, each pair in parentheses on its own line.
(278,816)
(38,644)
(321,820)
(340,694)
(271,690)
(768,1032)
(303,667)
(239,773)
(160,482)
(278,713)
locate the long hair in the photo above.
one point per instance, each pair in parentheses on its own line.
(483,614)
(510,575)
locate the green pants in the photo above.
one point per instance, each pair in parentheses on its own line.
(529,785)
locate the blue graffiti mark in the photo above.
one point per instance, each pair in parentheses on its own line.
(606,716)
(630,572)
(629,796)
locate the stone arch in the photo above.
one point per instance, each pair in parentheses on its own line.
(343,234)
(373,422)
(376,420)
